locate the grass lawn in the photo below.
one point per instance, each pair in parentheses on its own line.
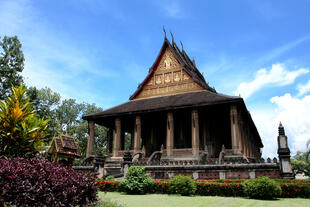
(163,200)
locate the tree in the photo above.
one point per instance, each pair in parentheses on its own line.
(301,162)
(46,102)
(22,133)
(11,65)
(68,113)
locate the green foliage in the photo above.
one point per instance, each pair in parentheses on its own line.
(110,178)
(66,117)
(301,163)
(11,65)
(183,185)
(262,188)
(21,132)
(137,181)
(45,102)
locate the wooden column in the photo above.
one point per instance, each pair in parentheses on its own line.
(137,135)
(195,132)
(235,133)
(109,140)
(241,130)
(117,137)
(91,138)
(248,148)
(170,134)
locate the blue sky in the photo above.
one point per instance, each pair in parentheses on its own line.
(99,51)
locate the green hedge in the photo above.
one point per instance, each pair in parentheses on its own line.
(225,187)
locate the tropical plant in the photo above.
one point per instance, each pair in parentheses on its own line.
(21,132)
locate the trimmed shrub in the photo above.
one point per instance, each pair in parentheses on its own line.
(183,185)
(38,182)
(137,181)
(262,188)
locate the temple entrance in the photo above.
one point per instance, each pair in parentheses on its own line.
(153,131)
(182,129)
(214,129)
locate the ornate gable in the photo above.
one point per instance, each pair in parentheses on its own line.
(167,77)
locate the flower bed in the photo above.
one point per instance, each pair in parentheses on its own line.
(222,187)
(106,185)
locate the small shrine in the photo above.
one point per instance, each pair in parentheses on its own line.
(64,149)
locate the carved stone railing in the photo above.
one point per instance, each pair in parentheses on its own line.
(208,161)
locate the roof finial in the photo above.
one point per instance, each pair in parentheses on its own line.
(193,61)
(165,32)
(172,37)
(182,46)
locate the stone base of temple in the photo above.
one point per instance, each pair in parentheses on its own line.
(219,171)
(113,166)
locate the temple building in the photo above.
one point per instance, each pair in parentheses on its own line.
(175,112)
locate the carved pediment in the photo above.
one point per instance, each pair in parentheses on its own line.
(168,78)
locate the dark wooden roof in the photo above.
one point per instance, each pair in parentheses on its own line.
(187,64)
(65,145)
(189,99)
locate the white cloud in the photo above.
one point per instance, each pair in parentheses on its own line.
(303,88)
(284,48)
(294,114)
(276,76)
(171,8)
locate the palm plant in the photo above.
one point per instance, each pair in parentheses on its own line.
(21,132)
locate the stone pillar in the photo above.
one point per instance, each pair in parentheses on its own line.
(117,137)
(91,139)
(170,134)
(137,135)
(195,132)
(284,155)
(235,135)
